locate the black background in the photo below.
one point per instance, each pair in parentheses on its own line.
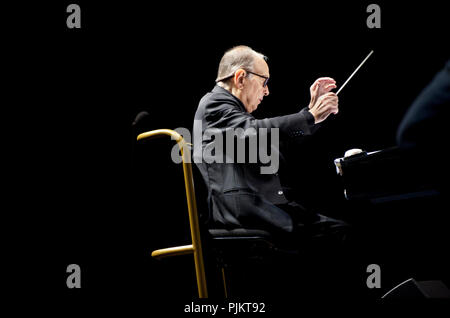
(80,196)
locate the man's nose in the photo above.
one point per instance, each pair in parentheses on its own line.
(266,90)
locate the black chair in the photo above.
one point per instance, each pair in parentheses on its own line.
(232,255)
(239,256)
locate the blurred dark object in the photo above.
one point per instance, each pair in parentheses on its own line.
(423,132)
(423,126)
(141,122)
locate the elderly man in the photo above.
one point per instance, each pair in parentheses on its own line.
(239,194)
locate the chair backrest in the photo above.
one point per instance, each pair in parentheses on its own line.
(196,247)
(236,243)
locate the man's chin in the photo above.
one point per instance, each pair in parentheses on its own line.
(253,108)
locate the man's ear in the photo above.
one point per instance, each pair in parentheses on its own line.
(239,77)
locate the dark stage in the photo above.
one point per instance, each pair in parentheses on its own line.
(84,192)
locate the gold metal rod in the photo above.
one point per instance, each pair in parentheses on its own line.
(225,287)
(173,251)
(158,132)
(191,202)
(193,220)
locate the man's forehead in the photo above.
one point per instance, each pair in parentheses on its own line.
(261,66)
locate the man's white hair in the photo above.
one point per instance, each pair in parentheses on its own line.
(238,57)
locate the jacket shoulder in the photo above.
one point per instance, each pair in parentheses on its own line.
(218,102)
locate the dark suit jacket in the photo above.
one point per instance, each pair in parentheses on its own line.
(238,194)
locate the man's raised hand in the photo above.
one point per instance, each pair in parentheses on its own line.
(323,102)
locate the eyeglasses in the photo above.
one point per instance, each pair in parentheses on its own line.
(266,79)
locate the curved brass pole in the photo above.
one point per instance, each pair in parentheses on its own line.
(191,202)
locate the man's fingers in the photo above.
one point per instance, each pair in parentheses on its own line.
(334,109)
(329,95)
(322,81)
(332,106)
(330,110)
(328,88)
(325,80)
(315,86)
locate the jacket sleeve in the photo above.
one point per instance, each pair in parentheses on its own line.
(292,125)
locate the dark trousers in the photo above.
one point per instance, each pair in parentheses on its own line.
(314,228)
